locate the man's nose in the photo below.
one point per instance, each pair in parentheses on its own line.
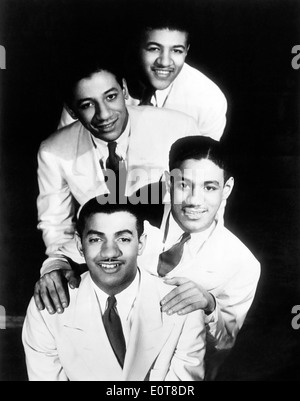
(165,59)
(110,250)
(103,113)
(196,197)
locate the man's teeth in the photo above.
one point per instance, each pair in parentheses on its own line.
(109,266)
(195,212)
(162,73)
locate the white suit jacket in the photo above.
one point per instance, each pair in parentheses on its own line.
(225,267)
(194,94)
(69,172)
(74,346)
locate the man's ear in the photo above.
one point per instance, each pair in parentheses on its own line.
(142,244)
(125,89)
(168,181)
(79,244)
(71,112)
(228,188)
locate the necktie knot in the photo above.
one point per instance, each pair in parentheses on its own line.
(171,258)
(111,303)
(147,96)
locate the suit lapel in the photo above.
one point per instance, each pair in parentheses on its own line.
(149,332)
(87,334)
(89,176)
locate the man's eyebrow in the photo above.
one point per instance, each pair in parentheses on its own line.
(88,99)
(212,182)
(160,44)
(117,234)
(95,232)
(123,232)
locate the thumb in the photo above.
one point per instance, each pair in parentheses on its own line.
(73,279)
(177,281)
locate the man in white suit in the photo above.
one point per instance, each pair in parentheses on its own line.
(114,329)
(163,79)
(216,272)
(74,162)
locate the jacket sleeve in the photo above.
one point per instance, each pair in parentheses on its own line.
(215,121)
(42,358)
(233,304)
(187,363)
(56,206)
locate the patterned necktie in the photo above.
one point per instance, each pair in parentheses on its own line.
(114,331)
(147,96)
(168,260)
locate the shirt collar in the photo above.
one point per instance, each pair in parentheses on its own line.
(161,96)
(197,239)
(122,144)
(125,300)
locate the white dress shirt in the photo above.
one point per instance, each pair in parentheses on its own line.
(160,97)
(191,248)
(125,304)
(121,150)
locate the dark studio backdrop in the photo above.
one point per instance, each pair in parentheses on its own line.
(246,48)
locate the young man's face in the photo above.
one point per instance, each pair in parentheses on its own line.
(197,191)
(163,53)
(110,245)
(99,104)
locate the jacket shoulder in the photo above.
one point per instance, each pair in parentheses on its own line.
(63,141)
(198,83)
(156,115)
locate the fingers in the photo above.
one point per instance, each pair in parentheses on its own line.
(175,294)
(37,298)
(51,292)
(184,299)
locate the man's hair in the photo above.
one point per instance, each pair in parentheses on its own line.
(165,14)
(101,205)
(198,148)
(83,65)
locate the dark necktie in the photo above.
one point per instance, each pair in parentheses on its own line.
(147,96)
(116,184)
(113,327)
(168,260)
(113,161)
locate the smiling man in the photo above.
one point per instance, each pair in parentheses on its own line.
(114,329)
(164,79)
(212,269)
(111,147)
(158,74)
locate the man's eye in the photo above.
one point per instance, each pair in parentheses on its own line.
(178,51)
(112,97)
(183,185)
(86,106)
(124,240)
(153,49)
(210,188)
(94,240)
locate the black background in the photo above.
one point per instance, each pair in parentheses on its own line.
(246,48)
